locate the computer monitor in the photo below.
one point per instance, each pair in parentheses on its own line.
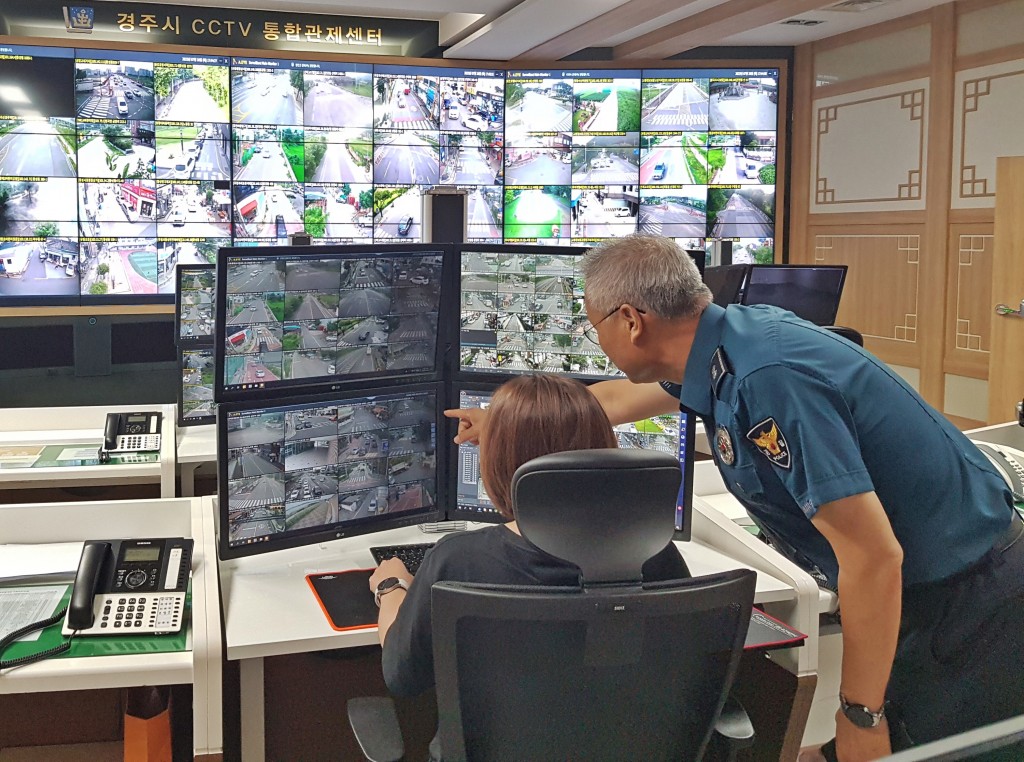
(309,469)
(726,282)
(193,309)
(307,319)
(699,257)
(811,292)
(521,311)
(468,499)
(195,393)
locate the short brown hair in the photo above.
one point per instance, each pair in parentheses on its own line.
(532,416)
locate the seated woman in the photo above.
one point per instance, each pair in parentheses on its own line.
(529,416)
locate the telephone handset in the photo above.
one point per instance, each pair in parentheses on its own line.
(130,432)
(135,587)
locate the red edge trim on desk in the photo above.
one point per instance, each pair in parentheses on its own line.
(797,639)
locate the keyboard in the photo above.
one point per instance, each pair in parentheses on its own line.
(410,555)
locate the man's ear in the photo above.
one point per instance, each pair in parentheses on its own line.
(634,322)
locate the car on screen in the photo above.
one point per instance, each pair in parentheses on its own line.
(280,229)
(660,170)
(405,226)
(453,112)
(181,170)
(69,270)
(474,122)
(751,171)
(176,218)
(122,106)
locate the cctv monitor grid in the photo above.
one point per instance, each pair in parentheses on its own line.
(313,467)
(171,157)
(195,403)
(300,319)
(521,311)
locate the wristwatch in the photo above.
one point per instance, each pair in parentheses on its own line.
(859,714)
(385,586)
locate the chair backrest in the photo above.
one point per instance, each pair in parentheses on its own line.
(607,674)
(851,334)
(608,670)
(606,511)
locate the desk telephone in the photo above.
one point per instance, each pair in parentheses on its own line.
(130,587)
(1010,464)
(130,432)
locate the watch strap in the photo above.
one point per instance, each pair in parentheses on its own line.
(860,715)
(381,590)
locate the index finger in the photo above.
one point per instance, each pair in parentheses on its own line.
(458,413)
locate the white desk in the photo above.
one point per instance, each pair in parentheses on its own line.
(251,586)
(197,445)
(199,666)
(82,425)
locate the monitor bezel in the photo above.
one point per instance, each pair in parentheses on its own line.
(195,341)
(842,269)
(458,374)
(336,532)
(182,419)
(322,384)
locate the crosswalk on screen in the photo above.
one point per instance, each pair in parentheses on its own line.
(293,320)
(325,468)
(118,165)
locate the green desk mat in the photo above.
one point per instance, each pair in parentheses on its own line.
(48,457)
(102,645)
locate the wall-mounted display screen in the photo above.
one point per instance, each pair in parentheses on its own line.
(298,318)
(169,157)
(311,469)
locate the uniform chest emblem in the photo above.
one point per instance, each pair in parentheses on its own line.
(770,440)
(723,442)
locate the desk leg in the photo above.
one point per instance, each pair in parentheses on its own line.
(188,479)
(250,683)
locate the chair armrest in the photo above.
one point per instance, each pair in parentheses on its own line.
(375,726)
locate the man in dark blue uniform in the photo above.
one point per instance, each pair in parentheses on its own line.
(850,473)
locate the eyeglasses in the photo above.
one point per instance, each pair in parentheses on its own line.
(589,329)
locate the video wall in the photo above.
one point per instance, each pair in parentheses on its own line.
(116,166)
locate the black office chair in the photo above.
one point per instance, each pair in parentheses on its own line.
(852,334)
(613,669)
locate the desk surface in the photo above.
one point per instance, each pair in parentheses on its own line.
(197,444)
(269,609)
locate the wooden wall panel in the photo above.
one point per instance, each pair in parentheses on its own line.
(882,296)
(968,337)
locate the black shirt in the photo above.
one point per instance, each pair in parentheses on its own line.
(493,555)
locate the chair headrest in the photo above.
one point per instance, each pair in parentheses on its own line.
(607,511)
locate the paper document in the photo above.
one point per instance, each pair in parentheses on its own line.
(40,562)
(21,606)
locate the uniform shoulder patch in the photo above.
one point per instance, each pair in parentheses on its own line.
(769,439)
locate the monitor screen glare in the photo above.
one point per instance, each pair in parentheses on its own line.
(307,470)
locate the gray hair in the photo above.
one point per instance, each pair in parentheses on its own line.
(651,273)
